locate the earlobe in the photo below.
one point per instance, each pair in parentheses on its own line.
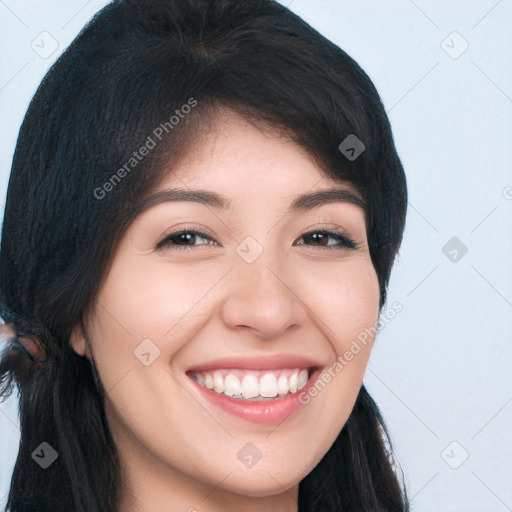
(78,341)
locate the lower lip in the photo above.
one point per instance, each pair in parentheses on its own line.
(266,412)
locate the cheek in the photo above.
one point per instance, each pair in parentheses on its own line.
(153,300)
(345,297)
(347,305)
(141,309)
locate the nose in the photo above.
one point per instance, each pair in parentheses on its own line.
(261,297)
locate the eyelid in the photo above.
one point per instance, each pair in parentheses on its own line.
(339,235)
(176,232)
(329,227)
(194,227)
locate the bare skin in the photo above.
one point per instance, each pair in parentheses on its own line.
(201,300)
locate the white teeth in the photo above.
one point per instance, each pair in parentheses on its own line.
(302,379)
(268,385)
(199,379)
(218,382)
(245,384)
(232,385)
(282,385)
(293,382)
(208,381)
(250,386)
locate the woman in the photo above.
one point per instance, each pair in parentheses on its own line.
(156,373)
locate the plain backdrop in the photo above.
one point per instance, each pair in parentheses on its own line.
(441,369)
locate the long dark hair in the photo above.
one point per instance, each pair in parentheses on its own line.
(136,64)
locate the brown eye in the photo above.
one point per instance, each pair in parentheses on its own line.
(321,239)
(183,240)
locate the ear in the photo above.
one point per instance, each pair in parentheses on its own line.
(78,341)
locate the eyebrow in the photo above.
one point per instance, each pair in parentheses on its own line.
(312,200)
(301,203)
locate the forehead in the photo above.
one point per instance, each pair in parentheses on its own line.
(238,159)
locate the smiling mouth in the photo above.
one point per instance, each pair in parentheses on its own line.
(253,385)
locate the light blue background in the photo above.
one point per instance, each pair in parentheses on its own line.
(441,370)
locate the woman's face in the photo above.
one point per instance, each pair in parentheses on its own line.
(261,295)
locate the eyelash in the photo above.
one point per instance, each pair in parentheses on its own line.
(346,241)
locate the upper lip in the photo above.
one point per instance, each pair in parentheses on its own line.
(272,362)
